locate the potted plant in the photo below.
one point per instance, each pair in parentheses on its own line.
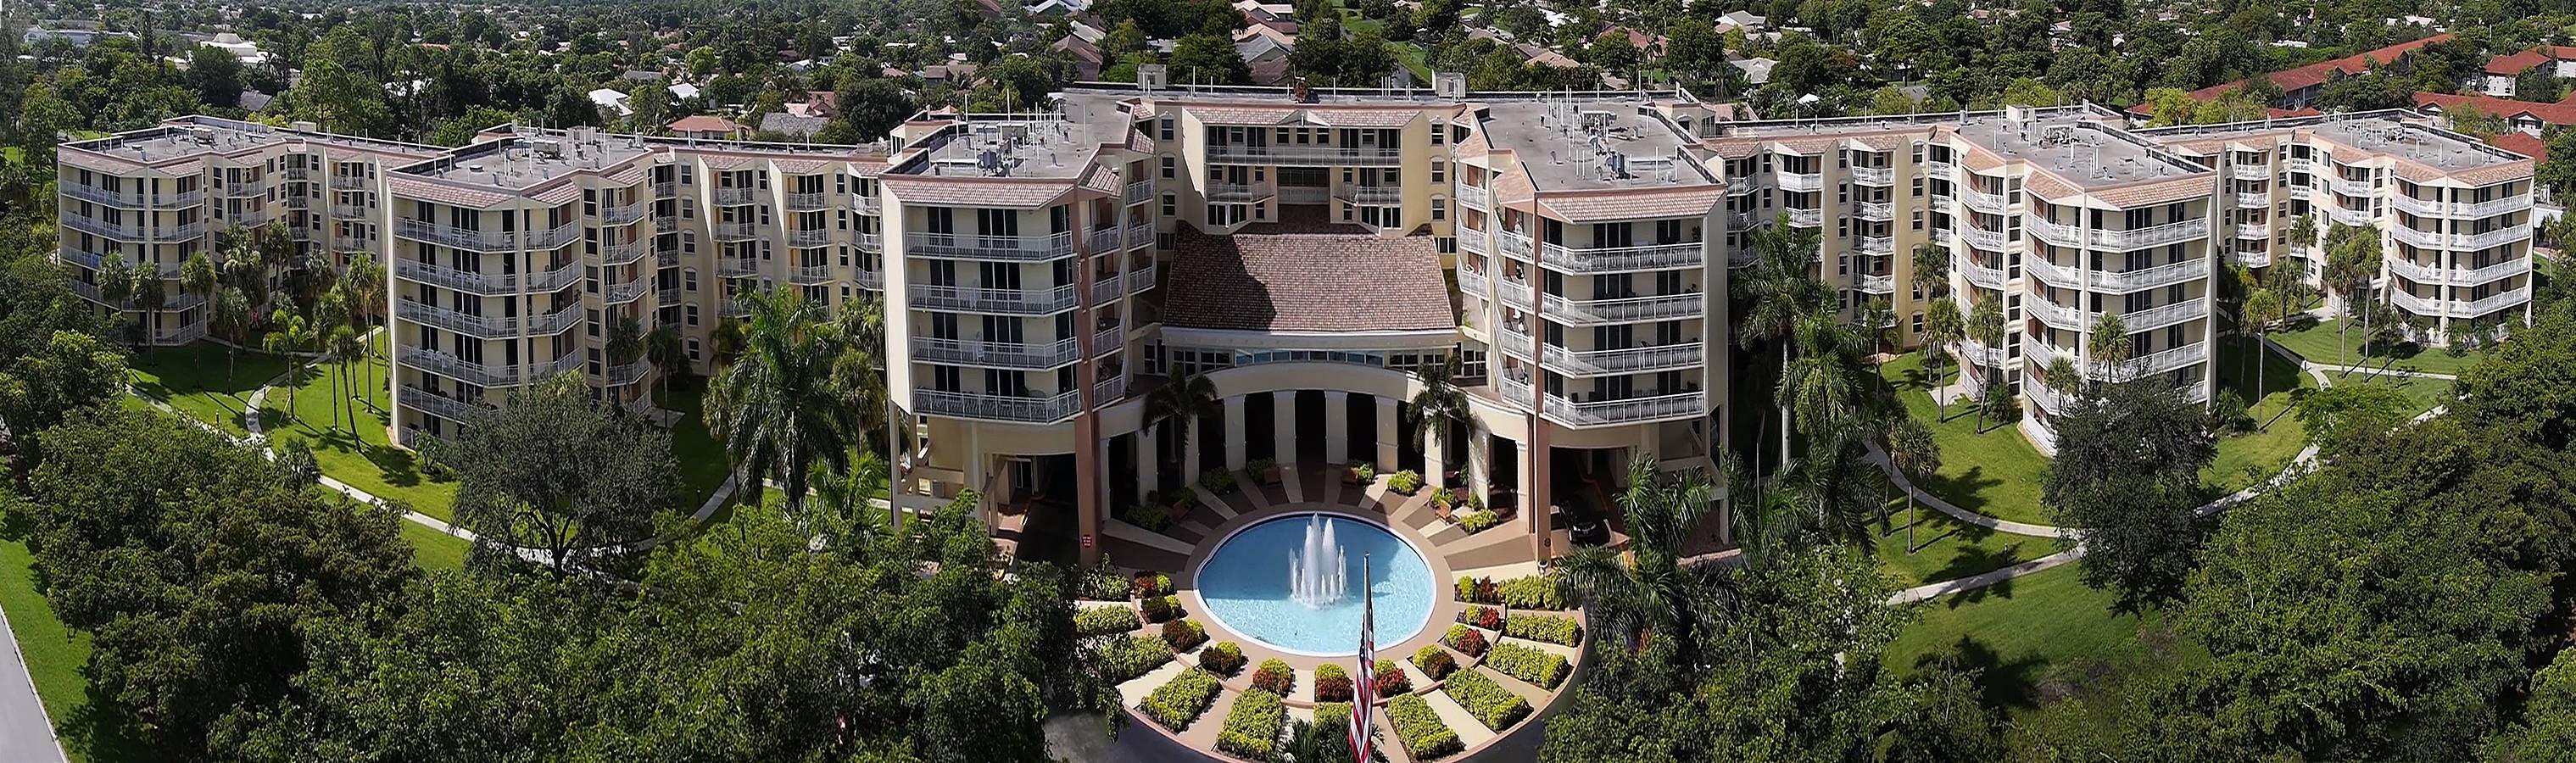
(1360,473)
(1266,469)
(1441,500)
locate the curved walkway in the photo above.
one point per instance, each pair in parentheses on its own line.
(2306,458)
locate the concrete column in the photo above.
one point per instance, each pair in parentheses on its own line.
(1480,464)
(1337,427)
(1190,434)
(1535,490)
(1387,432)
(1149,465)
(1234,431)
(1283,427)
(1432,473)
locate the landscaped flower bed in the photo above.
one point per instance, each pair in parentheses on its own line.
(1184,635)
(1533,592)
(1496,707)
(1489,618)
(1102,621)
(1179,703)
(1466,640)
(1405,482)
(1434,661)
(1331,684)
(1274,676)
(1391,679)
(1252,727)
(1418,725)
(1161,608)
(1539,667)
(1553,629)
(1125,659)
(1224,659)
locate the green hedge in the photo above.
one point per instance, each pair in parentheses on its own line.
(1274,676)
(1184,635)
(1160,608)
(1332,684)
(1496,707)
(1552,629)
(1252,727)
(1335,716)
(1434,661)
(1533,592)
(1406,482)
(1180,702)
(1539,667)
(1419,726)
(1225,658)
(1125,659)
(1102,621)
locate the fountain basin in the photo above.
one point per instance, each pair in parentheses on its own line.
(1246,585)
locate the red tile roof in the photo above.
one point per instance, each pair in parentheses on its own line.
(704,123)
(2561,113)
(1306,282)
(2516,63)
(2522,143)
(2317,73)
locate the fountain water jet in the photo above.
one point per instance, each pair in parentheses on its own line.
(1317,573)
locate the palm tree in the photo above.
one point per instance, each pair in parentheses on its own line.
(233,320)
(1822,387)
(1780,288)
(2110,347)
(668,353)
(365,282)
(2061,373)
(775,407)
(1875,320)
(116,287)
(860,370)
(148,300)
(2303,234)
(2352,259)
(1986,327)
(1942,327)
(348,348)
(1650,590)
(2261,308)
(1914,452)
(726,340)
(290,335)
(625,341)
(197,276)
(1932,269)
(1185,398)
(1441,403)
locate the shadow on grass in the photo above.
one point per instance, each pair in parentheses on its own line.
(2000,683)
(1965,490)
(102,731)
(1977,560)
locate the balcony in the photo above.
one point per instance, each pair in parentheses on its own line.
(803,238)
(869,279)
(731,308)
(1109,390)
(874,242)
(733,231)
(1103,240)
(1990,203)
(485,326)
(1874,176)
(2254,231)
(1800,181)
(2299,165)
(731,197)
(1989,240)
(1877,245)
(1316,156)
(1876,284)
(737,267)
(1740,221)
(1941,170)
(486,375)
(2254,199)
(2054,233)
(2460,276)
(2301,192)
(1003,248)
(2055,315)
(625,254)
(666,257)
(615,216)
(2166,315)
(1634,360)
(1140,231)
(484,241)
(349,211)
(2191,269)
(2253,259)
(1472,240)
(1475,197)
(809,275)
(2466,242)
(123,199)
(487,283)
(2471,210)
(1628,411)
(1372,195)
(349,183)
(252,188)
(1225,193)
(666,297)
(806,202)
(666,189)
(1874,210)
(1140,192)
(1982,355)
(1806,218)
(619,376)
(1588,312)
(132,231)
(1473,282)
(2435,307)
(1014,408)
(867,205)
(1107,289)
(969,299)
(1140,279)
(1587,261)
(2159,235)
(629,291)
(445,407)
(1979,273)
(2362,188)
(2169,359)
(1032,356)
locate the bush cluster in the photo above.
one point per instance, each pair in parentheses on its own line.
(1252,727)
(1161,608)
(1420,728)
(1149,586)
(1481,616)
(1177,704)
(1275,677)
(1363,472)
(1496,707)
(1125,659)
(1539,667)
(1102,583)
(1218,480)
(1478,520)
(1553,629)
(1434,661)
(1184,635)
(1478,590)
(1224,659)
(1467,641)
(1391,679)
(1405,482)
(1151,516)
(1331,684)
(1102,621)
(1334,716)
(1533,592)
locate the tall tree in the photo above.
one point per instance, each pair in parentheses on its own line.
(1943,327)
(1986,328)
(289,334)
(1779,289)
(1650,589)
(1441,406)
(555,472)
(1913,451)
(2127,474)
(1185,399)
(775,408)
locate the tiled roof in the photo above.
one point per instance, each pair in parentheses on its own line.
(2562,113)
(2040,184)
(1363,117)
(1306,282)
(1023,193)
(2158,192)
(2512,64)
(1633,204)
(2521,143)
(443,193)
(703,123)
(1101,178)
(2316,73)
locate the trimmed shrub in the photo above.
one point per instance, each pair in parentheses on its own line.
(1161,608)
(1539,667)
(1331,684)
(1467,641)
(1149,586)
(1122,660)
(1477,591)
(1420,728)
(1102,621)
(1150,516)
(1177,704)
(1405,482)
(1480,616)
(1260,466)
(1363,472)
(1184,635)
(1391,679)
(1477,520)
(1101,583)
(1333,715)
(1534,592)
(1434,661)
(1496,707)
(1552,629)
(1275,677)
(1252,727)
(1224,659)
(1218,480)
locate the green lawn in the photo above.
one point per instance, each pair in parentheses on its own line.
(1995,472)
(2425,393)
(2039,639)
(198,380)
(2248,458)
(434,550)
(2318,343)
(702,460)
(357,454)
(1410,54)
(1948,549)
(92,728)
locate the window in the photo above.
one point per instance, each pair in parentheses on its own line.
(1166,128)
(1439,135)
(1439,171)
(693,320)
(689,279)
(1439,208)
(693,346)
(1171,205)
(1171,168)
(1918,323)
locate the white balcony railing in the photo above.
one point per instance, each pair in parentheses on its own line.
(975,352)
(1585,312)
(2168,360)
(626,253)
(1238,192)
(733,231)
(1592,260)
(2165,315)
(808,275)
(2254,231)
(2436,307)
(1940,170)
(733,196)
(485,241)
(1978,273)
(614,216)
(1877,176)
(445,407)
(2190,269)
(488,283)
(2462,241)
(2470,210)
(486,326)
(809,237)
(1015,408)
(1634,360)
(737,267)
(1876,284)
(1475,197)
(2055,315)
(1373,195)
(2159,235)
(1305,155)
(1874,210)
(1801,181)
(1877,245)
(867,205)
(630,373)
(807,202)
(2362,188)
(632,289)
(1806,218)
(994,301)
(1473,282)
(1990,203)
(1140,191)
(2254,199)
(1004,248)
(1625,411)
(1982,355)
(1989,240)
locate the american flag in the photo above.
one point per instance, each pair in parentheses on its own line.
(1364,684)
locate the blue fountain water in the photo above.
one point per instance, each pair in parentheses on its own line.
(1246,586)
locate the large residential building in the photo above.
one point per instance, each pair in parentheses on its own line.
(1308,253)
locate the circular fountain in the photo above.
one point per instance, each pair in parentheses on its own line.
(1314,609)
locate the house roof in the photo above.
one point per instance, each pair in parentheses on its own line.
(2314,74)
(2522,143)
(2512,64)
(2561,113)
(704,123)
(1307,282)
(792,124)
